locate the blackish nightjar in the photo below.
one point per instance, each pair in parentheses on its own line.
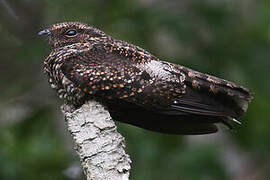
(137,87)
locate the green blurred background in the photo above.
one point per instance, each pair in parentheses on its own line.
(226,38)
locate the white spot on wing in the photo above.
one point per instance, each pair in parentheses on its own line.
(163,71)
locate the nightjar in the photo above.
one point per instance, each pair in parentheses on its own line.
(135,86)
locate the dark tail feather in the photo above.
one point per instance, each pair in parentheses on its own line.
(226,92)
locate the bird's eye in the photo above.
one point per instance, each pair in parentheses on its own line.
(71,33)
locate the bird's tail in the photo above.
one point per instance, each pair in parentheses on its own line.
(232,95)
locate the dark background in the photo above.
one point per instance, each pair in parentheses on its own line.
(226,38)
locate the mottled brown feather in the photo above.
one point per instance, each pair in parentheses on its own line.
(136,86)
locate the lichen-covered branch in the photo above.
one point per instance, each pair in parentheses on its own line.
(97,142)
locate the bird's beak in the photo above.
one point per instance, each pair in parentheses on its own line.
(45,32)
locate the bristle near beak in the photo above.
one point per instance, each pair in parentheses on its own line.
(45,32)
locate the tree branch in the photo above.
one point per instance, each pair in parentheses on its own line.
(97,142)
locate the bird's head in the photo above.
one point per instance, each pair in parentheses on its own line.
(68,33)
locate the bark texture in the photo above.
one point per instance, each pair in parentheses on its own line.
(97,142)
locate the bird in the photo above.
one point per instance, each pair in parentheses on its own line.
(136,87)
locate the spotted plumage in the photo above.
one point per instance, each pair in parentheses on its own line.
(136,86)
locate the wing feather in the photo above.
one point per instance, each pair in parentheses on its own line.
(115,76)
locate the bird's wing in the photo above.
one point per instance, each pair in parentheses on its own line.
(101,71)
(135,77)
(198,103)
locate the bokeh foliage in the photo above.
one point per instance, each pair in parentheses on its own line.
(226,38)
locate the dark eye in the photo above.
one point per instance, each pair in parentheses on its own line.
(71,33)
